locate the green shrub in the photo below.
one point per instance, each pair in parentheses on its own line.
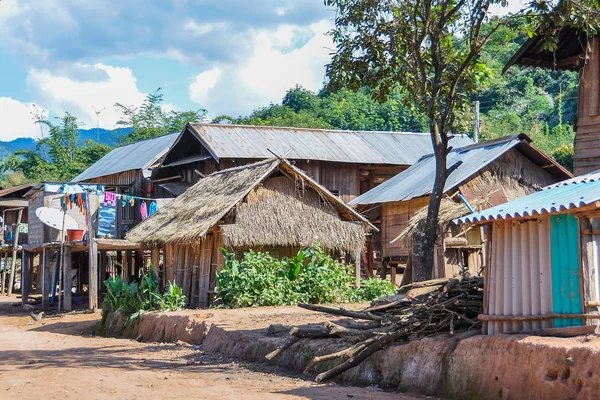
(374,288)
(259,279)
(134,300)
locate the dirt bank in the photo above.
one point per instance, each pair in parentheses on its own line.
(466,367)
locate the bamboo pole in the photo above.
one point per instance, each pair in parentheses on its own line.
(14,254)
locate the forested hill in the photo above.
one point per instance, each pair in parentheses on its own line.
(538,102)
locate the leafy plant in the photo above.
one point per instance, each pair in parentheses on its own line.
(312,276)
(134,300)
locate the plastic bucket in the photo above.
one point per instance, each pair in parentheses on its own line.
(74,235)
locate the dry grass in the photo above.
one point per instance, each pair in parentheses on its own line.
(283,212)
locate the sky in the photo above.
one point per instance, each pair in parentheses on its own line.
(226,56)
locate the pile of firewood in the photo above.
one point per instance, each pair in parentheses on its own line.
(422,309)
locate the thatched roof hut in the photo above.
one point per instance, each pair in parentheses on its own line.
(270,205)
(275,204)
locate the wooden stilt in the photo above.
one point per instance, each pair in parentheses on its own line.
(67,279)
(127,265)
(103,275)
(14,253)
(46,278)
(357,259)
(25,277)
(393,269)
(4,267)
(155,259)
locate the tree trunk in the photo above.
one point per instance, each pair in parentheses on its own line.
(425,237)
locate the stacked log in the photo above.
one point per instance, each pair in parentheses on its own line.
(424,309)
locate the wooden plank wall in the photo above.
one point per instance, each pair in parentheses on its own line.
(394,219)
(194,268)
(342,179)
(587,139)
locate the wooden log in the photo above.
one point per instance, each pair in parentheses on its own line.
(341,311)
(320,332)
(568,331)
(14,254)
(290,342)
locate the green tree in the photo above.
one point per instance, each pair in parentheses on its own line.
(150,119)
(431,50)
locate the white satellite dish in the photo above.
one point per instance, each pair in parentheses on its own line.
(54,218)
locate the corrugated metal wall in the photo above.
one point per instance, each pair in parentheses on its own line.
(520,274)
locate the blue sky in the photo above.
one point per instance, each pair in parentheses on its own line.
(228,56)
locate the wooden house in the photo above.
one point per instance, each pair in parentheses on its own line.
(543,259)
(128,170)
(13,207)
(347,163)
(84,266)
(270,205)
(576,52)
(488,173)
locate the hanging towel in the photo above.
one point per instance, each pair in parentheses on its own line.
(153,208)
(143,210)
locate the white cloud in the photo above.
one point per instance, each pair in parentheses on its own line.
(202,85)
(268,72)
(202,29)
(82,96)
(17,119)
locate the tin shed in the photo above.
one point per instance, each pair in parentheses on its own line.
(543,259)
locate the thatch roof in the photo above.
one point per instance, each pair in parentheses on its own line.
(274,213)
(449,210)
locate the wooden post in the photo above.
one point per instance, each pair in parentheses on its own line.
(92,257)
(155,260)
(25,277)
(93,282)
(4,265)
(138,263)
(102,268)
(357,259)
(120,261)
(14,253)
(127,266)
(67,278)
(370,261)
(46,279)
(393,270)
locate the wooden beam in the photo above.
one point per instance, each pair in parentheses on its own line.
(155,260)
(171,178)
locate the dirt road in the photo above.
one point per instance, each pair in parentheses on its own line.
(63,360)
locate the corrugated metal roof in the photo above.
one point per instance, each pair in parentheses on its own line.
(368,147)
(417,180)
(571,194)
(139,155)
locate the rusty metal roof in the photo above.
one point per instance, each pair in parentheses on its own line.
(138,155)
(368,147)
(417,181)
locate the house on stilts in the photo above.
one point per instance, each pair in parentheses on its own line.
(574,51)
(269,205)
(486,174)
